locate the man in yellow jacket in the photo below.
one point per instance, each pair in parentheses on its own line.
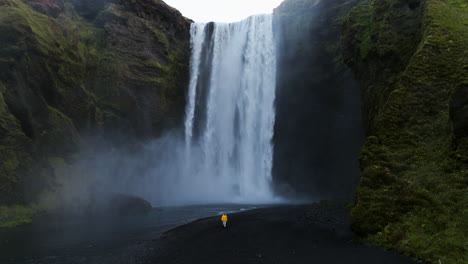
(224,218)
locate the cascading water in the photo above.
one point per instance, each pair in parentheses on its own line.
(230,111)
(226,154)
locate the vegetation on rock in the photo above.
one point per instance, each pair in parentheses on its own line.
(70,78)
(16,215)
(411,59)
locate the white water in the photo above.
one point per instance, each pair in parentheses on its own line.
(230,112)
(226,153)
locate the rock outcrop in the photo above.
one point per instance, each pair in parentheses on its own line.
(122,204)
(77,73)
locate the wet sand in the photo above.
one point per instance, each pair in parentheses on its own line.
(316,233)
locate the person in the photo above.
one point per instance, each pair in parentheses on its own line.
(224,218)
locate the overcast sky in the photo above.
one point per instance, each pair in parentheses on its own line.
(222,10)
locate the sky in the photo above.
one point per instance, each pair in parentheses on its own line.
(222,10)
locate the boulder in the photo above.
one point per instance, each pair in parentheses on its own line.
(124,204)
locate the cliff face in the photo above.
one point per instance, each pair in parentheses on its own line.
(411,59)
(318,130)
(73,73)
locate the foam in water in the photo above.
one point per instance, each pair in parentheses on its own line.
(230,112)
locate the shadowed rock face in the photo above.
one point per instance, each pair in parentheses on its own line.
(459,118)
(89,9)
(48,7)
(318,129)
(153,40)
(74,73)
(409,57)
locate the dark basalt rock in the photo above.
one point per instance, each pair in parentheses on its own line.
(459,118)
(123,204)
(318,128)
(89,9)
(72,80)
(48,7)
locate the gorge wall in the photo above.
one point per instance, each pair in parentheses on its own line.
(318,131)
(75,75)
(410,59)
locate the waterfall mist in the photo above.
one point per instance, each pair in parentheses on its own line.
(236,105)
(227,152)
(224,154)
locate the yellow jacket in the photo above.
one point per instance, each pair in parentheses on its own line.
(224,217)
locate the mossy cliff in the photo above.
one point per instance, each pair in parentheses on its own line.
(411,58)
(73,73)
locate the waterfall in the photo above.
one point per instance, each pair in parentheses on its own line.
(230,111)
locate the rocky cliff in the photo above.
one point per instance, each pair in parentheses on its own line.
(78,73)
(410,58)
(412,62)
(318,129)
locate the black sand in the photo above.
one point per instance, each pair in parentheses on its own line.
(317,233)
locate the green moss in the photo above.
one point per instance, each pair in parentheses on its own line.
(49,58)
(16,215)
(110,14)
(362,18)
(12,153)
(65,75)
(63,49)
(162,38)
(157,66)
(413,192)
